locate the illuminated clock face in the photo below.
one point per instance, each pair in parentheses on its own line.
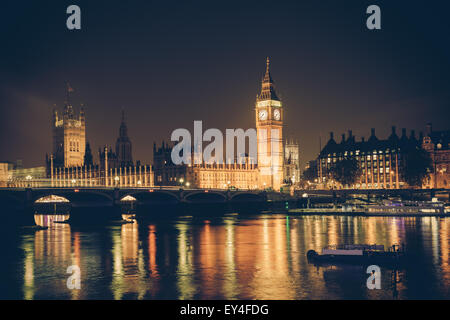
(263,115)
(276,114)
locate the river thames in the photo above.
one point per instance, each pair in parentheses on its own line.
(227,257)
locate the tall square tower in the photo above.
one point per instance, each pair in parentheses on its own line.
(69,136)
(269,129)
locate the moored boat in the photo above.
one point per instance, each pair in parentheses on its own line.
(389,207)
(358,254)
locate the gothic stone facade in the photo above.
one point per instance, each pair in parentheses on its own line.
(207,176)
(69,137)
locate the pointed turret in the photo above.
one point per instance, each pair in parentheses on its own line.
(267,87)
(123,131)
(123,145)
(82,116)
(68,109)
(88,159)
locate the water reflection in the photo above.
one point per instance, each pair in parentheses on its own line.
(230,257)
(46,220)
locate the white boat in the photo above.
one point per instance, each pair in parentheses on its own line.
(390,207)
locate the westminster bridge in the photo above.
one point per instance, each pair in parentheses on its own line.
(100,203)
(106,202)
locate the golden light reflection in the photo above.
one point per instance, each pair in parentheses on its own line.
(117,279)
(50,251)
(153,266)
(435,238)
(370,230)
(230,285)
(220,258)
(185,272)
(444,238)
(129,272)
(45,220)
(28,287)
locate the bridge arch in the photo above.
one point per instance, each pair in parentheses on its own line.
(154,197)
(128,198)
(76,196)
(51,198)
(247,197)
(205,197)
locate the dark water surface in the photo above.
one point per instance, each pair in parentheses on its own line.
(229,257)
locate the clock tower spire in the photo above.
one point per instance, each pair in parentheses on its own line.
(269,128)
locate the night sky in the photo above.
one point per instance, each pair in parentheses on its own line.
(168,63)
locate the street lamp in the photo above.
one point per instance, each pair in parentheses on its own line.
(139,183)
(187,184)
(116,179)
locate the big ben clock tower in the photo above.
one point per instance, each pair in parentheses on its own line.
(269,128)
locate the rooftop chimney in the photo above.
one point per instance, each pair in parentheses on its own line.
(343,137)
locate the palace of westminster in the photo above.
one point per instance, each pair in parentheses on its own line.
(71,162)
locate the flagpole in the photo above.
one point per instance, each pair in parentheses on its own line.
(69,90)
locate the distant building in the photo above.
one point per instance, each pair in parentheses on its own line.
(4,174)
(437,143)
(72,163)
(208,176)
(380,161)
(123,156)
(88,158)
(13,174)
(310,173)
(291,162)
(165,171)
